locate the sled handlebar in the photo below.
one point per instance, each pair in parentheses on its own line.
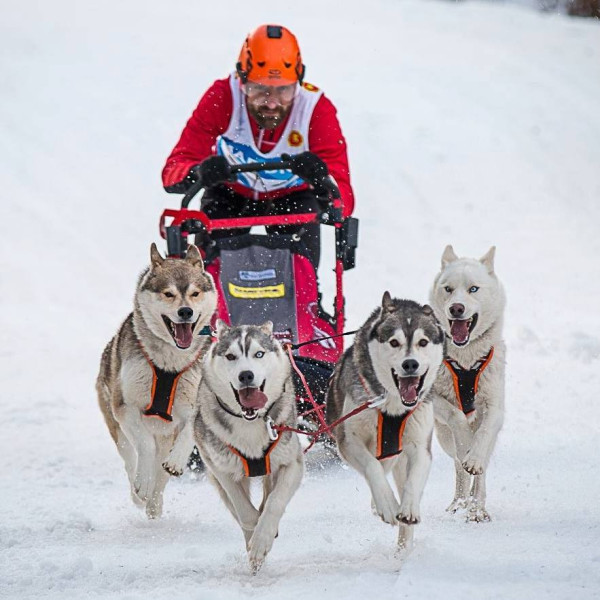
(274,165)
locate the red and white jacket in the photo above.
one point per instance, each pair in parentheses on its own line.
(214,116)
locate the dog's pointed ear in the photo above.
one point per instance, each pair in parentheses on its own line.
(448,256)
(267,327)
(427,310)
(155,258)
(487,260)
(387,303)
(221,328)
(194,258)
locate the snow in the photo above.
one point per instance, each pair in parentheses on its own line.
(472,124)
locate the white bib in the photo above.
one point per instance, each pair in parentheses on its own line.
(237,144)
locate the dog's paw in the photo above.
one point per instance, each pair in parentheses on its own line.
(409,515)
(458,504)
(473,463)
(141,488)
(154,508)
(259,546)
(255,565)
(387,510)
(477,513)
(173,469)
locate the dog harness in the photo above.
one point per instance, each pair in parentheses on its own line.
(466,381)
(257,467)
(390,429)
(254,467)
(164,386)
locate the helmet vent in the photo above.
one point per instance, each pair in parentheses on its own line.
(274,32)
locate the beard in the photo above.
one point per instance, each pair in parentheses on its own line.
(268,118)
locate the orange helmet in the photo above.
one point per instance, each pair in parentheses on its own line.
(270,56)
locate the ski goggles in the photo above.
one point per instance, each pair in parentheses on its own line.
(280,93)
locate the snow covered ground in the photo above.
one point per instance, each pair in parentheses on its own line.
(472,123)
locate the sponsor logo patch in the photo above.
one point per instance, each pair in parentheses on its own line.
(295,138)
(251,293)
(257,275)
(310,87)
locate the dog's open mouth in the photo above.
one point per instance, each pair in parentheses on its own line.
(182,333)
(251,400)
(460,330)
(409,388)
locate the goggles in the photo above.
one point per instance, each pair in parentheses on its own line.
(280,93)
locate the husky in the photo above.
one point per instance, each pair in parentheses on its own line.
(245,397)
(393,364)
(150,372)
(469,301)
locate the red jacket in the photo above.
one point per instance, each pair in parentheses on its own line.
(211,119)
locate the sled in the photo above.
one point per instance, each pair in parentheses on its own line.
(269,277)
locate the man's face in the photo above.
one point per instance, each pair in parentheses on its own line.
(269,105)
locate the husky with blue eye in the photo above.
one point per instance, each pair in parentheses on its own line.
(246,396)
(469,301)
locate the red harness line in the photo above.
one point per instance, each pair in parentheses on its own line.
(324,428)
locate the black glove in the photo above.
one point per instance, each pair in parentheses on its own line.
(308,166)
(212,170)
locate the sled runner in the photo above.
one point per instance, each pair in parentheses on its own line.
(269,277)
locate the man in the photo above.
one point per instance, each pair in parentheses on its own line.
(261,111)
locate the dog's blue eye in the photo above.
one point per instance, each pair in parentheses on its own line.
(448,289)
(230,356)
(473,289)
(259,354)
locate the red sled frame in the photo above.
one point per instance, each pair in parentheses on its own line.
(177,224)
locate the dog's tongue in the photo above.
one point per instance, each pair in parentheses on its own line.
(252,398)
(183,334)
(460,331)
(408,389)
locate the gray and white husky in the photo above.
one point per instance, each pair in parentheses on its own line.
(150,372)
(468,300)
(246,392)
(394,361)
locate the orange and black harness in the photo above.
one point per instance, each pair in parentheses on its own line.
(257,467)
(164,386)
(466,381)
(390,429)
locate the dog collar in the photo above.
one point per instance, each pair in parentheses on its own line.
(466,381)
(164,387)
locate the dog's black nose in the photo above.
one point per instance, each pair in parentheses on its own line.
(185,312)
(246,378)
(457,310)
(410,366)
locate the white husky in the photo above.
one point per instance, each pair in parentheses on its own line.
(246,392)
(150,372)
(469,302)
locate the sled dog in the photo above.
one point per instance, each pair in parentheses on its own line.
(245,393)
(393,362)
(468,300)
(150,372)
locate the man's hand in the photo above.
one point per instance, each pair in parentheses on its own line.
(308,166)
(211,171)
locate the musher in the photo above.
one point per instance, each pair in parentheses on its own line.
(263,110)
